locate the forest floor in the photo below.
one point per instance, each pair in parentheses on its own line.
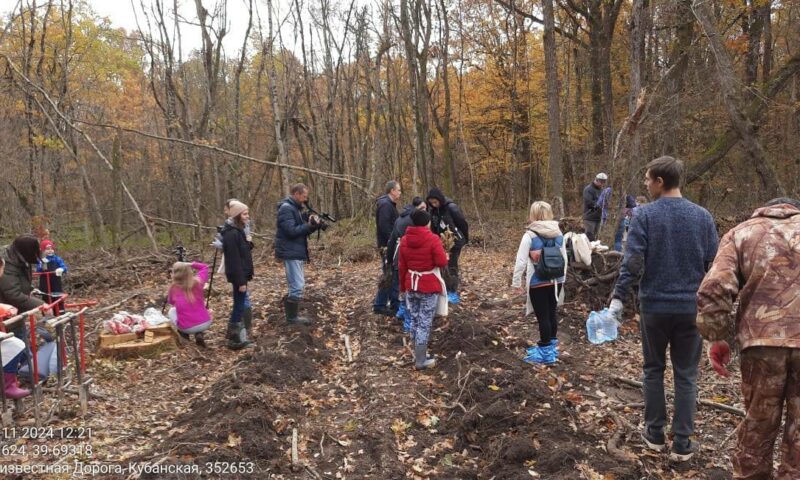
(482,413)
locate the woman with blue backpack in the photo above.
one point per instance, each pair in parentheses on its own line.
(542,257)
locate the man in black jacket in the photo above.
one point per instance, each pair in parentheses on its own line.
(445,215)
(385,216)
(592,212)
(291,246)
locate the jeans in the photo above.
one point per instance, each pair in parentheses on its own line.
(679,332)
(241,301)
(387,295)
(620,233)
(545,306)
(295,277)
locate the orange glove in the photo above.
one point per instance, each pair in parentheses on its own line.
(719,354)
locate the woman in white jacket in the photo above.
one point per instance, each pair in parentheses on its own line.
(544,295)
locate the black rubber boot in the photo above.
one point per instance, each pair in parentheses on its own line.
(237,336)
(200,339)
(291,306)
(247,319)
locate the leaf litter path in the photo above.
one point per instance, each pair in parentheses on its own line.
(482,413)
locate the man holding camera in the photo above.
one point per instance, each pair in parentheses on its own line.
(385,216)
(291,246)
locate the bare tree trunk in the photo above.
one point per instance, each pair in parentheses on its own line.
(731,97)
(553,109)
(268,51)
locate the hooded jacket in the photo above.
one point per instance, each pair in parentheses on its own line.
(399,229)
(420,251)
(548,229)
(759,262)
(15,284)
(291,236)
(385,216)
(447,215)
(238,255)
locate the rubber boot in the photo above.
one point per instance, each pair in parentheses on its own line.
(12,388)
(200,339)
(291,306)
(421,359)
(237,336)
(247,319)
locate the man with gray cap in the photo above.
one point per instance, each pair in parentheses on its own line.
(592,212)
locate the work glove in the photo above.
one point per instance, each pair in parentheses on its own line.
(719,354)
(59,272)
(615,309)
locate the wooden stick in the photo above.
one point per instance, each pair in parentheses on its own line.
(707,403)
(295,455)
(348,349)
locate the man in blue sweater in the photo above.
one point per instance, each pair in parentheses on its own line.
(671,244)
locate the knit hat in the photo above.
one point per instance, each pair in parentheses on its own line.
(236,208)
(28,247)
(420,218)
(45,244)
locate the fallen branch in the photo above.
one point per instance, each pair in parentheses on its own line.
(348,349)
(614,443)
(707,403)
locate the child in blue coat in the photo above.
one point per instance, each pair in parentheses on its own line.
(50,262)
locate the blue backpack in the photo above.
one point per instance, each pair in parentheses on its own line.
(551,262)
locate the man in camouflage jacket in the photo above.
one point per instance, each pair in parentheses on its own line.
(759,262)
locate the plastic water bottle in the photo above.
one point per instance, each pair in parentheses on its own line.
(601,327)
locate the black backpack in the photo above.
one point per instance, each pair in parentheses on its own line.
(551,262)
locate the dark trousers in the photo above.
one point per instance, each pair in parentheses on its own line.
(453,281)
(679,333)
(545,306)
(240,302)
(388,295)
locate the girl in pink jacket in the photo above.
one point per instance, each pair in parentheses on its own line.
(186,295)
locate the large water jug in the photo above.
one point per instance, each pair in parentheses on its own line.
(601,327)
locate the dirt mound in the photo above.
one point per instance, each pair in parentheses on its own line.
(248,416)
(505,410)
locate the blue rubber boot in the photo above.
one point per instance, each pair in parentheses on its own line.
(453,297)
(543,355)
(401,311)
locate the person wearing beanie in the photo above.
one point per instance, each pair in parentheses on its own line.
(16,282)
(446,216)
(421,256)
(53,268)
(238,261)
(386,300)
(400,226)
(13,353)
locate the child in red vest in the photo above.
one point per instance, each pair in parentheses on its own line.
(421,255)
